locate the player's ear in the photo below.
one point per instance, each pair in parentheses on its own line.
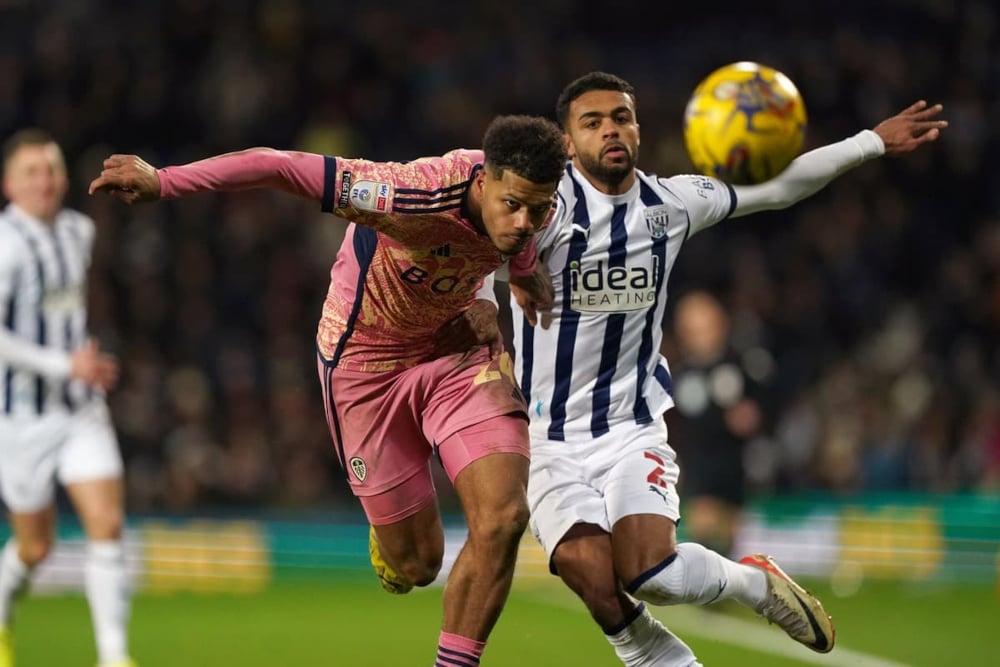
(637,137)
(570,149)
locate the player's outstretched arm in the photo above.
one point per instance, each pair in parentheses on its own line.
(131,179)
(809,173)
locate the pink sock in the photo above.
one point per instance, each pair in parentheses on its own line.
(458,651)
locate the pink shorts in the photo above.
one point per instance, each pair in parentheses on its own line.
(386,426)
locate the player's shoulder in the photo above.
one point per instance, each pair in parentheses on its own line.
(462,163)
(8,227)
(12,244)
(442,171)
(687,188)
(77,218)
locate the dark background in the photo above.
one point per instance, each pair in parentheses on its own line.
(878,299)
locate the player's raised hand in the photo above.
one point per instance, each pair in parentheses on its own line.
(915,125)
(128,178)
(534,294)
(88,364)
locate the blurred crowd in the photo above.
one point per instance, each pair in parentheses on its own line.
(872,310)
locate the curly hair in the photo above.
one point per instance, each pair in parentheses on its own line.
(530,146)
(585,84)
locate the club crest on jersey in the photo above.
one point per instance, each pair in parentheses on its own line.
(656,220)
(359,467)
(370,196)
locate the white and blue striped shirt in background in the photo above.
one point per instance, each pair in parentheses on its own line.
(43,311)
(598,362)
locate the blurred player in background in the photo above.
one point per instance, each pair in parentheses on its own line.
(718,410)
(602,490)
(54,422)
(424,236)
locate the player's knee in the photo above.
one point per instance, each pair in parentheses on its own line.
(589,574)
(420,571)
(501,527)
(107,525)
(638,566)
(33,552)
(598,595)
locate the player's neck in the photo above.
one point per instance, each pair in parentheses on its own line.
(45,217)
(474,208)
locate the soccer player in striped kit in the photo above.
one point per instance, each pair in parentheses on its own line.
(602,488)
(54,422)
(423,238)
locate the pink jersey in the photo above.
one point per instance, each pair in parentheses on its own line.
(411,261)
(411,248)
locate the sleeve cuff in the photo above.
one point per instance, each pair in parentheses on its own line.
(870,143)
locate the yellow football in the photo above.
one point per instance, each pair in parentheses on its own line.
(744,123)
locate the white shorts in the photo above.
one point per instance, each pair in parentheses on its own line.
(71,447)
(629,470)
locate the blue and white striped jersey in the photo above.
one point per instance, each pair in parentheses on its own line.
(598,362)
(43,314)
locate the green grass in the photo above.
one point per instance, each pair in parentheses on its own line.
(349,621)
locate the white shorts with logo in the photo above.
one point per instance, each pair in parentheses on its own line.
(68,447)
(629,470)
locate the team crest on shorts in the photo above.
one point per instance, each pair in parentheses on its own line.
(359,467)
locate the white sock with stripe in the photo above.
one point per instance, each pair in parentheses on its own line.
(695,575)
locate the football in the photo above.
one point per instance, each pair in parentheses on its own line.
(744,123)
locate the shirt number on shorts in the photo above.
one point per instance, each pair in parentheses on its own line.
(656,477)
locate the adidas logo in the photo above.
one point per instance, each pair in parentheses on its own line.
(443,251)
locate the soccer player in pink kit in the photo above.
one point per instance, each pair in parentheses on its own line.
(424,236)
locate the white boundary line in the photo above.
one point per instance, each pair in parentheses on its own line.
(755,635)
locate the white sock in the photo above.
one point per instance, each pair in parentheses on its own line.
(645,642)
(14,578)
(109,598)
(699,576)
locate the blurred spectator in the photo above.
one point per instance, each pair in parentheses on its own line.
(719,393)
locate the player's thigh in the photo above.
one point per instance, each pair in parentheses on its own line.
(91,469)
(640,492)
(90,451)
(29,460)
(560,495)
(502,434)
(471,389)
(642,477)
(488,464)
(374,421)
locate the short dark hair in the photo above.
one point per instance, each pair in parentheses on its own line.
(585,84)
(530,146)
(31,136)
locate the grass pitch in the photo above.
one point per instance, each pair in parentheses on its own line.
(346,620)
